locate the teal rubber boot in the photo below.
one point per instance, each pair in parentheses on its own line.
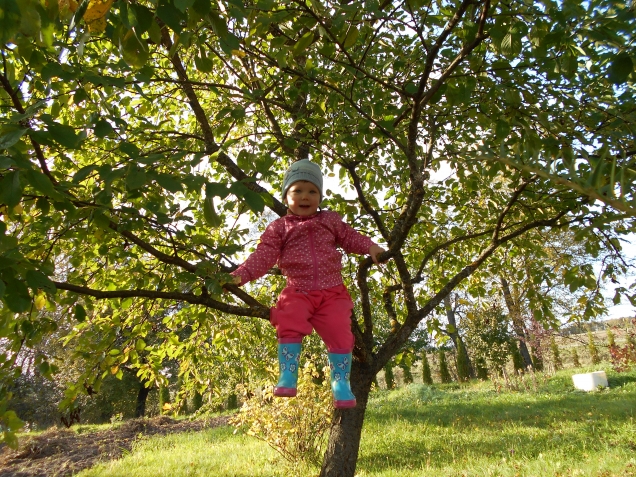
(288,355)
(340,365)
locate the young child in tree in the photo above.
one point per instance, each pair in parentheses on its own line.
(303,244)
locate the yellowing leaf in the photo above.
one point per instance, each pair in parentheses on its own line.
(95,16)
(40,302)
(239,53)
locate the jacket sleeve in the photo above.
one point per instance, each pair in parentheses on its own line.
(350,239)
(264,257)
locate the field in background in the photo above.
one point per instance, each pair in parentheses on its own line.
(442,431)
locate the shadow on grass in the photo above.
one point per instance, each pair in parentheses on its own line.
(497,425)
(620,380)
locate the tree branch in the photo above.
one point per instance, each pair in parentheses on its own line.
(396,340)
(203,299)
(17,104)
(211,146)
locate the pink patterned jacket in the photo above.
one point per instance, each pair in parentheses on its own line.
(305,250)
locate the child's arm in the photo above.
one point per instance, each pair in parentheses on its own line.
(353,241)
(262,259)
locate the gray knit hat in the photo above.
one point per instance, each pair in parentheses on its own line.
(303,170)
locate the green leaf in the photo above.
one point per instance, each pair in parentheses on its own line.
(10,189)
(351,38)
(6,162)
(183,5)
(3,287)
(169,182)
(80,313)
(64,135)
(503,129)
(215,189)
(254,201)
(134,51)
(135,178)
(101,220)
(43,184)
(621,67)
(38,280)
(83,173)
(129,149)
(302,43)
(80,95)
(209,213)
(16,296)
(203,63)
(143,16)
(10,17)
(103,128)
(219,26)
(9,139)
(140,345)
(170,15)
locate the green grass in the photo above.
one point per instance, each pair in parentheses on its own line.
(213,452)
(467,430)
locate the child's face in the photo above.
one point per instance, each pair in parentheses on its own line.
(303,198)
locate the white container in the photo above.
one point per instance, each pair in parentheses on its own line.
(590,381)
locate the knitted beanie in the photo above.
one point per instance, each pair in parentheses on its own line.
(303,170)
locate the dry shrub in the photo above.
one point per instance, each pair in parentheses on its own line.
(295,427)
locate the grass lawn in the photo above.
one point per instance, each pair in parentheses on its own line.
(453,430)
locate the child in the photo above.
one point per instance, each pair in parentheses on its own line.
(303,243)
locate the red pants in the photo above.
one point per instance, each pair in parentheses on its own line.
(327,311)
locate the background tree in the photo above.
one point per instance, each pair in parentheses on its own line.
(556,354)
(426,370)
(575,358)
(138,137)
(444,373)
(592,349)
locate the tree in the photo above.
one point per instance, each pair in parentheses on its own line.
(591,346)
(575,358)
(444,373)
(556,355)
(426,370)
(464,366)
(137,135)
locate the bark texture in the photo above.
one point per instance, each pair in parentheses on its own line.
(517,322)
(341,456)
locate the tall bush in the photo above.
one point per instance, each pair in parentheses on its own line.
(426,370)
(444,373)
(575,358)
(295,427)
(591,346)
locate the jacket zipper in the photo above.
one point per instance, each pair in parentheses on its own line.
(313,256)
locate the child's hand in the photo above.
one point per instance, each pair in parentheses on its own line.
(374,251)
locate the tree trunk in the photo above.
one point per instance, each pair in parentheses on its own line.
(517,322)
(341,456)
(457,340)
(142,397)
